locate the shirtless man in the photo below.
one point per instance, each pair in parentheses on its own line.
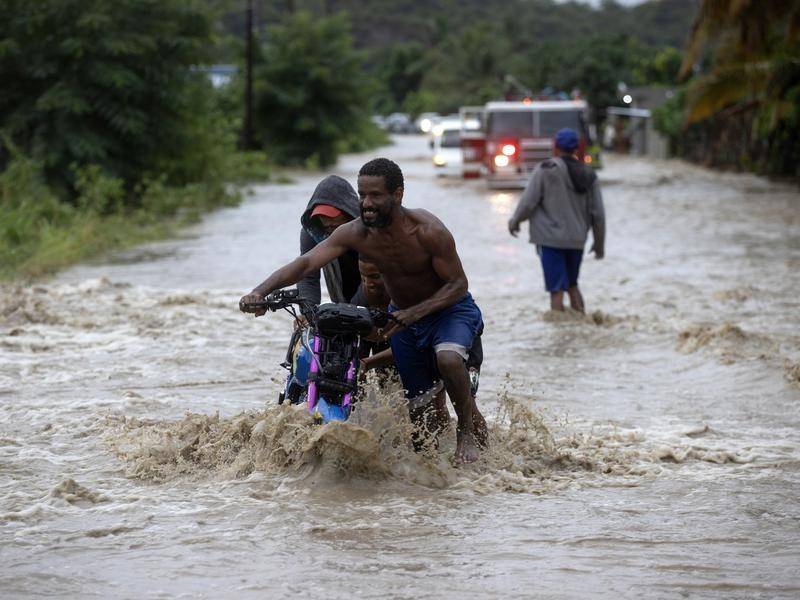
(416,256)
(432,418)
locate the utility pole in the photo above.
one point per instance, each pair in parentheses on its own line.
(247,130)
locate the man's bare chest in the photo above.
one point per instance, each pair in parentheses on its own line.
(397,256)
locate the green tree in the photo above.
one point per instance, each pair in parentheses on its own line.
(401,74)
(105,83)
(468,68)
(599,65)
(753,76)
(311,92)
(594,65)
(756,49)
(659,68)
(757,45)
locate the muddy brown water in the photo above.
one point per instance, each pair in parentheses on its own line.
(649,450)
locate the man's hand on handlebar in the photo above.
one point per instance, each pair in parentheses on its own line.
(249,302)
(399,320)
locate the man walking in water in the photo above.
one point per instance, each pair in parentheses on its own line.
(436,319)
(562,201)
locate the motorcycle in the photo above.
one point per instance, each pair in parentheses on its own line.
(323,358)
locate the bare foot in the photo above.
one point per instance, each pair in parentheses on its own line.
(466,449)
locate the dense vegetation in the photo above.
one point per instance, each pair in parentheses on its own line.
(545,45)
(442,54)
(309,91)
(108,84)
(741,107)
(105,126)
(110,130)
(737,103)
(380,24)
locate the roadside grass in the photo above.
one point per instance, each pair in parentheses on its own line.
(40,234)
(80,237)
(50,246)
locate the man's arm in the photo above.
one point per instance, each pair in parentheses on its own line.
(384,358)
(528,202)
(309,285)
(437,240)
(337,244)
(598,215)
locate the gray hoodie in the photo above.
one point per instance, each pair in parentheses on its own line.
(341,275)
(562,201)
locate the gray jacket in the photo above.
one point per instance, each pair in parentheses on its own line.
(341,274)
(562,201)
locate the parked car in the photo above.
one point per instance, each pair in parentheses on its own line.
(425,121)
(399,123)
(379,120)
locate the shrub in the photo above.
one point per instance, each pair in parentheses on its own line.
(107,84)
(308,90)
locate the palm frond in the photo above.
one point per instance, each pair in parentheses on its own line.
(711,94)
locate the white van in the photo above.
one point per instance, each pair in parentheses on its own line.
(446,145)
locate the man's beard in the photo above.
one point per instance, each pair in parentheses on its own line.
(377,218)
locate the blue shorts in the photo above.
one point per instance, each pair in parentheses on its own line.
(561,267)
(415,347)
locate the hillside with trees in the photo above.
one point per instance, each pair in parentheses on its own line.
(442,54)
(382,23)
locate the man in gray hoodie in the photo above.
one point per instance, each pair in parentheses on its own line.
(333,203)
(562,202)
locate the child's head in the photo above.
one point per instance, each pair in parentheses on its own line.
(371,278)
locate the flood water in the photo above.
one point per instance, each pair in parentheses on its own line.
(648,450)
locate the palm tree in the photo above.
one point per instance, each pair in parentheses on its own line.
(756,59)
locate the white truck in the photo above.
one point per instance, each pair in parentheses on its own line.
(446,145)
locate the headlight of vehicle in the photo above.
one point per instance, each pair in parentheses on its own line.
(501,160)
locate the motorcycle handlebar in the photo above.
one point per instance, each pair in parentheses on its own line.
(380,317)
(283,298)
(277,300)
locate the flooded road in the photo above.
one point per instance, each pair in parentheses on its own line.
(649,450)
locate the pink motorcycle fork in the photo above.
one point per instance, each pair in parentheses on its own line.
(313,395)
(351,376)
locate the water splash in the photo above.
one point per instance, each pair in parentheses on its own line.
(526,454)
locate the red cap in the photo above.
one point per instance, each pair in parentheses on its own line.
(325,210)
